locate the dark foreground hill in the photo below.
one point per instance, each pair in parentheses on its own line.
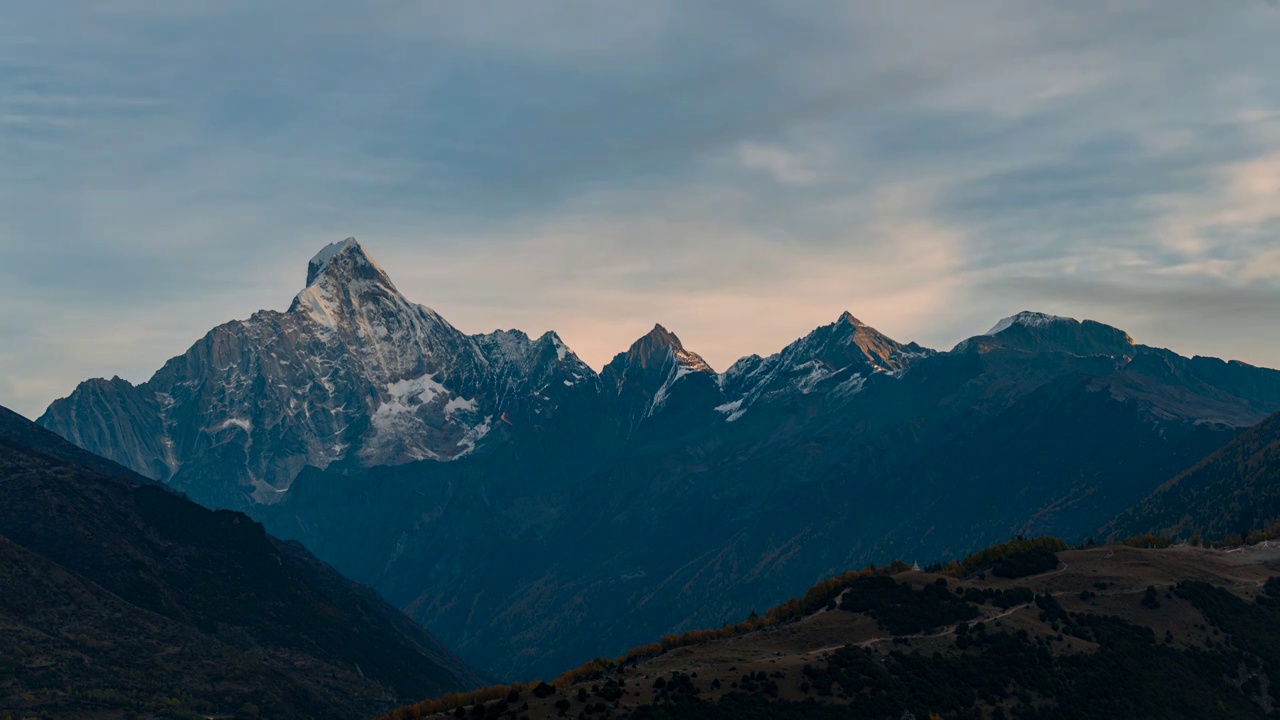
(1233,492)
(122,599)
(1111,632)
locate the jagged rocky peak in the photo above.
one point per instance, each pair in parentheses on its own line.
(847,317)
(839,357)
(657,347)
(345,261)
(849,342)
(506,345)
(549,343)
(656,368)
(348,292)
(342,280)
(519,359)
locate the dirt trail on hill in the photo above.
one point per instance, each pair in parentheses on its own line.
(1256,555)
(950,629)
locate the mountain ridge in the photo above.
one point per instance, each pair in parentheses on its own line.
(380,380)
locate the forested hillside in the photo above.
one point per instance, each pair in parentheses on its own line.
(1024,630)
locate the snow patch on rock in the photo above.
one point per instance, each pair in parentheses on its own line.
(458,404)
(318,305)
(320,261)
(237,422)
(473,436)
(733,410)
(814,373)
(1027,318)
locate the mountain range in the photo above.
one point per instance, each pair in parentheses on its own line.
(122,599)
(533,513)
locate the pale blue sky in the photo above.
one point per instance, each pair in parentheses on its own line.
(740,171)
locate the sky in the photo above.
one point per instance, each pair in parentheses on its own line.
(740,171)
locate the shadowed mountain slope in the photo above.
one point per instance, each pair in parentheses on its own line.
(122,597)
(1234,491)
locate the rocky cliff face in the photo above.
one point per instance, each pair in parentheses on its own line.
(353,374)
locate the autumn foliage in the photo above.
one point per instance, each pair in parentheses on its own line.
(997,553)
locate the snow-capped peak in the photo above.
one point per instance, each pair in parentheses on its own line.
(345,260)
(1027,318)
(321,259)
(343,280)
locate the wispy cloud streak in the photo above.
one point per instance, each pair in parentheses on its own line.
(740,171)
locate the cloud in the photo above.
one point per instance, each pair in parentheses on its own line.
(785,167)
(740,171)
(728,289)
(1218,231)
